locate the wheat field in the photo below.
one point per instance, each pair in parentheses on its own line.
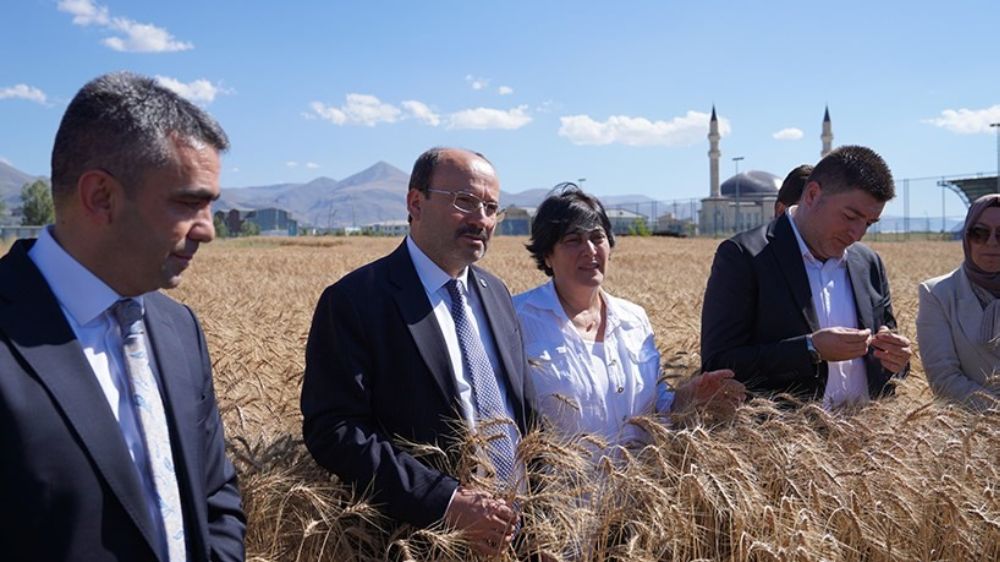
(902,479)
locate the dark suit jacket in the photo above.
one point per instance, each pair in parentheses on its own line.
(377,369)
(758,310)
(68,487)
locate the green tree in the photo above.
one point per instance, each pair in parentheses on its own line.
(221,230)
(639,227)
(249,228)
(36,204)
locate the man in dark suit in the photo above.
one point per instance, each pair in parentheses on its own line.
(112,442)
(798,305)
(392,356)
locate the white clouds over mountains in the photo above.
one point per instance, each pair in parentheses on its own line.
(129,35)
(966,121)
(368,110)
(23,92)
(685,130)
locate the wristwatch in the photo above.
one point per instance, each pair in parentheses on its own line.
(813,352)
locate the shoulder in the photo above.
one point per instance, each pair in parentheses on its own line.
(492,282)
(627,311)
(750,242)
(528,301)
(169,308)
(943,285)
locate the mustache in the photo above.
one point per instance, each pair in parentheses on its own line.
(479,233)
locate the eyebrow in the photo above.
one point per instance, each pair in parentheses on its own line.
(195,192)
(861,214)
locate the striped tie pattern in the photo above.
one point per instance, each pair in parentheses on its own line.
(149,405)
(485,390)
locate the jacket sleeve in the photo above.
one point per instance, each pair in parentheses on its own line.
(340,427)
(226,520)
(942,365)
(729,322)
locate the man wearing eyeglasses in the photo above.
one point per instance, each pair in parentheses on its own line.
(422,346)
(799,306)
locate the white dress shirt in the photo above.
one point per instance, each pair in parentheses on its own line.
(833,300)
(588,387)
(85,301)
(433,278)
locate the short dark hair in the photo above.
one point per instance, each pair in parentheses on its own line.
(125,124)
(423,168)
(795,182)
(854,167)
(566,209)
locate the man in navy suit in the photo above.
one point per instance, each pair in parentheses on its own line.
(386,358)
(799,306)
(112,442)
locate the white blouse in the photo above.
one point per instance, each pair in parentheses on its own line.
(583,387)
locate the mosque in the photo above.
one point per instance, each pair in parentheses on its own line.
(745,200)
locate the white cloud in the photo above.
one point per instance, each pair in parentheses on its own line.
(790,133)
(420,111)
(235,170)
(477,83)
(686,130)
(966,121)
(23,92)
(292,164)
(505,90)
(489,118)
(137,38)
(360,109)
(198,91)
(312,165)
(85,12)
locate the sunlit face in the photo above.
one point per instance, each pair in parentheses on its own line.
(984,248)
(451,238)
(161,222)
(829,223)
(580,258)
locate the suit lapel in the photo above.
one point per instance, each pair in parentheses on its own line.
(176,384)
(49,346)
(491,297)
(420,320)
(858,268)
(789,258)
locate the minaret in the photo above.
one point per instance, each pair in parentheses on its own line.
(713,155)
(827,135)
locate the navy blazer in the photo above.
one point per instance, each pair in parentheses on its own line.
(378,369)
(758,310)
(68,487)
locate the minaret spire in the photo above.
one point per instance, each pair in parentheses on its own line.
(713,155)
(827,136)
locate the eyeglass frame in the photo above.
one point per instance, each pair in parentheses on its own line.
(990,233)
(498,214)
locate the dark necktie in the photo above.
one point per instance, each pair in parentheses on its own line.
(486,398)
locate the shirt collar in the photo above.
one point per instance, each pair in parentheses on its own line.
(80,293)
(807,254)
(547,299)
(431,276)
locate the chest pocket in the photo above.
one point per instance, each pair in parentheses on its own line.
(564,388)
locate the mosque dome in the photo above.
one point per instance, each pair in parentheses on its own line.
(751,184)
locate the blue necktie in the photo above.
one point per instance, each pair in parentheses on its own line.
(149,406)
(486,397)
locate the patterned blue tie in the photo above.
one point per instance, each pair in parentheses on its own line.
(149,405)
(486,396)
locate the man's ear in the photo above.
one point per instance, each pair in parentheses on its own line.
(414,203)
(98,193)
(811,193)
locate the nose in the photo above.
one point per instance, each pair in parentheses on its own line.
(203,229)
(589,247)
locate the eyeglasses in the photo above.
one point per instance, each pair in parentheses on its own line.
(469,203)
(981,234)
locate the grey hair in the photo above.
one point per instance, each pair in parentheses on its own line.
(125,124)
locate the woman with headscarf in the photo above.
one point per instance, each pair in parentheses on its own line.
(958,324)
(593,361)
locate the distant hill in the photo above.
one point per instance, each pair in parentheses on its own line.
(11,181)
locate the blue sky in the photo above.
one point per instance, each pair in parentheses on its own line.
(617,93)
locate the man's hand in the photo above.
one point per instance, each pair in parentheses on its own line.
(715,393)
(892,350)
(841,344)
(488,523)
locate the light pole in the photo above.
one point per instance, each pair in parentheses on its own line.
(997,127)
(580,181)
(736,162)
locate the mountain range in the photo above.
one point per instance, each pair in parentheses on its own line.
(11,181)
